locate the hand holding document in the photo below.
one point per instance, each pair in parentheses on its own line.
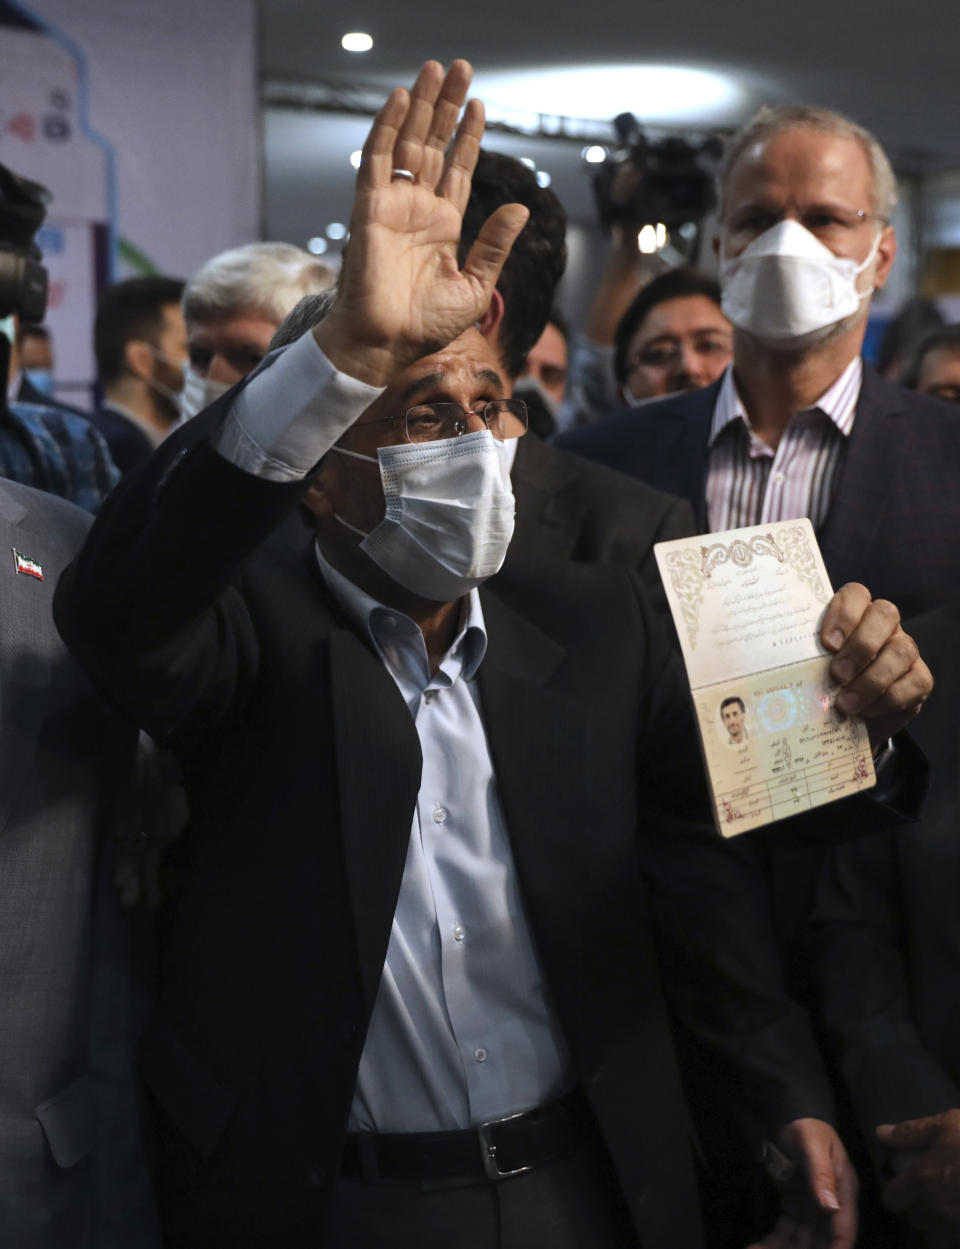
(747,605)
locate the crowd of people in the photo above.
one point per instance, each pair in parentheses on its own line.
(358,881)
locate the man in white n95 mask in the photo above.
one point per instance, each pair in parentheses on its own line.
(798,425)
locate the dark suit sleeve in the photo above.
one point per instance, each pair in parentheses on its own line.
(677,521)
(711,909)
(858,959)
(152,607)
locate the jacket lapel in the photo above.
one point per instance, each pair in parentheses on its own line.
(681,458)
(544,522)
(378,772)
(534,730)
(876,449)
(25,675)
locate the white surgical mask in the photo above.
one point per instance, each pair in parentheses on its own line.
(449,515)
(786,285)
(198,392)
(161,388)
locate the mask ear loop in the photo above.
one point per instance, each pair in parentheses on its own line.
(353,528)
(357,455)
(868,262)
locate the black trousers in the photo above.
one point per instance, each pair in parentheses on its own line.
(570,1203)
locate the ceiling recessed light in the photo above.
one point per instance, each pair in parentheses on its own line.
(667,93)
(336,230)
(356,41)
(355,158)
(317,246)
(543,178)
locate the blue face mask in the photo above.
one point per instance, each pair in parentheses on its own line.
(41,380)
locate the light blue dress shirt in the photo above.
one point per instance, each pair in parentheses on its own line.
(462,1030)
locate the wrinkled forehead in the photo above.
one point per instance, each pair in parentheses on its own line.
(467,362)
(803,164)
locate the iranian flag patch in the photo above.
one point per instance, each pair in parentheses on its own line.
(24,564)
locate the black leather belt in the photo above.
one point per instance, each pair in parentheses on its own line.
(497,1149)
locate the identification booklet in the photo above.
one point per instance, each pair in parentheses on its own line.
(747,605)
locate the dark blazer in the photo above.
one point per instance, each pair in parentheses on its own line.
(302,765)
(69,1148)
(886,935)
(894,523)
(129,445)
(568,508)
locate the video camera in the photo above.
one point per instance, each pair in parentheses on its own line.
(672,182)
(23,279)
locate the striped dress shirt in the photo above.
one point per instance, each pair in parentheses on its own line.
(751,483)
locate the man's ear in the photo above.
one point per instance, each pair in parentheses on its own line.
(317,499)
(489,323)
(886,254)
(137,359)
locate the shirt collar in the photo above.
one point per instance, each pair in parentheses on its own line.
(397,638)
(838,401)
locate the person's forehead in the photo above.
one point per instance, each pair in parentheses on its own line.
(466,356)
(550,347)
(231,331)
(681,316)
(801,164)
(940,364)
(468,362)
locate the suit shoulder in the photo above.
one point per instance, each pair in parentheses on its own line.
(609,484)
(35,513)
(880,395)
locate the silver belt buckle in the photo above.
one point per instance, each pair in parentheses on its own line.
(488,1151)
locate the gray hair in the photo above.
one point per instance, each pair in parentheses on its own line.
(309,312)
(772,121)
(264,278)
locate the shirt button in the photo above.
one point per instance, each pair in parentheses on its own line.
(779,478)
(429,695)
(480,1055)
(459,932)
(439,814)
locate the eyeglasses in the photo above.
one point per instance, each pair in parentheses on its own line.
(670,355)
(429,422)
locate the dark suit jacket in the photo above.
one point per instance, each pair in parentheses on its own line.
(69,1149)
(894,523)
(568,508)
(303,764)
(886,936)
(129,445)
